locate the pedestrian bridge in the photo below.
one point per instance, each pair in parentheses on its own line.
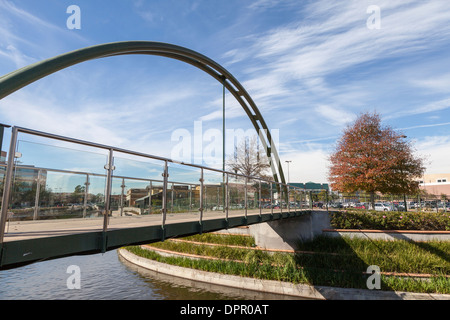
(63,196)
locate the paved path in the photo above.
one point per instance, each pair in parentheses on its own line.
(21,230)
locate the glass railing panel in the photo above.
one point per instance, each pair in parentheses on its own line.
(49,183)
(181,198)
(277,198)
(136,191)
(253,196)
(130,197)
(266,197)
(236,195)
(214,193)
(59,155)
(183,193)
(291,204)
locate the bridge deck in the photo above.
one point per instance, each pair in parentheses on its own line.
(25,230)
(30,241)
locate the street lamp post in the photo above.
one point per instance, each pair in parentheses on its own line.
(288,161)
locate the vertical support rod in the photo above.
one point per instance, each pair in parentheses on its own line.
(2,130)
(223,141)
(190,198)
(122,196)
(201,197)
(260,203)
(36,197)
(271,199)
(109,168)
(8,183)
(164,198)
(150,198)
(86,193)
(223,125)
(281,200)
(226,198)
(245,198)
(288,199)
(171,197)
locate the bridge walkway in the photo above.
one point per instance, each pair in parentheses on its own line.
(38,222)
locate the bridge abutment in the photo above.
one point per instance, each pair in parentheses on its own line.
(286,234)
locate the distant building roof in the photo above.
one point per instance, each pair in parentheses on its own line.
(311,185)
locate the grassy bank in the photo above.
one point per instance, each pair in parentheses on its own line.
(339,262)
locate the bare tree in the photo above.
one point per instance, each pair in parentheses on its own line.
(249,159)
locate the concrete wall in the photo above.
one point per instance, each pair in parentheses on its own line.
(408,235)
(286,234)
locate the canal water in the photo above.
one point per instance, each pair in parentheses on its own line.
(108,277)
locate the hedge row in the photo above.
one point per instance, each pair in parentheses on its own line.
(391,220)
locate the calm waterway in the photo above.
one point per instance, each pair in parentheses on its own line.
(108,277)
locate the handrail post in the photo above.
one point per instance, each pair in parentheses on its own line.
(201,200)
(150,198)
(245,199)
(164,199)
(109,168)
(190,198)
(260,204)
(281,200)
(226,198)
(171,198)
(271,199)
(86,194)
(288,199)
(8,182)
(36,196)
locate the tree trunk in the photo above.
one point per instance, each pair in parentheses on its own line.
(372,199)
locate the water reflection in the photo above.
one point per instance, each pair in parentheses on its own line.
(108,277)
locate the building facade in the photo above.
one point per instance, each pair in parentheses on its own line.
(437,184)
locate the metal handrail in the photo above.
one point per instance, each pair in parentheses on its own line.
(109,176)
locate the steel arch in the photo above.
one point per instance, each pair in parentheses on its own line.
(20,78)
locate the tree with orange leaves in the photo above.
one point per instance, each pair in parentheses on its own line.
(372,158)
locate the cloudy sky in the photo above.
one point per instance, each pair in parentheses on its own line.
(310,66)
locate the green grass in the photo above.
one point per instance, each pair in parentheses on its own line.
(224,239)
(337,262)
(391,256)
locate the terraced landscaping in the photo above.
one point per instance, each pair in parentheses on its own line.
(337,262)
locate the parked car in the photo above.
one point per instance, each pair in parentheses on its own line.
(360,206)
(382,207)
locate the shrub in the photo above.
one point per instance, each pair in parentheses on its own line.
(390,220)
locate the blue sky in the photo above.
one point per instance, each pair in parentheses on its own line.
(310,66)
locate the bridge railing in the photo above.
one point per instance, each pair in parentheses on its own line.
(52,177)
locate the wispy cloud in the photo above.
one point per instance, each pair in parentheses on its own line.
(426,108)
(22,31)
(310,66)
(333,38)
